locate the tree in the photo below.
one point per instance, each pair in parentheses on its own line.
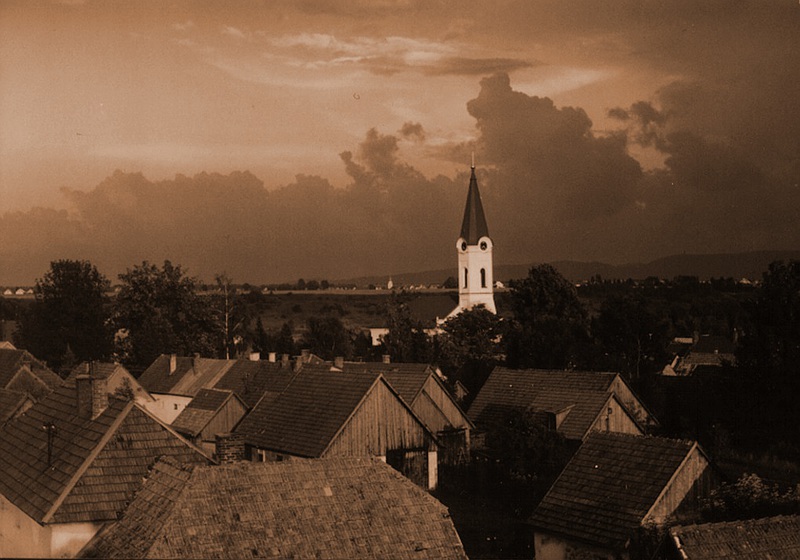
(630,336)
(550,325)
(406,339)
(232,314)
(284,343)
(469,346)
(70,312)
(327,337)
(162,313)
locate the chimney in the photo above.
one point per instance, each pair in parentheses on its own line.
(338,362)
(255,356)
(229,447)
(298,363)
(173,363)
(387,359)
(271,357)
(285,360)
(92,396)
(306,355)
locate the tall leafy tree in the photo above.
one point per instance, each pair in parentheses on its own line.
(327,337)
(550,325)
(406,339)
(469,346)
(161,312)
(70,314)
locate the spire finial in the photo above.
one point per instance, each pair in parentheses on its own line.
(473,159)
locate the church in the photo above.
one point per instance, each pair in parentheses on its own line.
(474,249)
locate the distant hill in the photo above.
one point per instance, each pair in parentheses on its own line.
(750,265)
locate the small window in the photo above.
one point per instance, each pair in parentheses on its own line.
(466,278)
(483,278)
(176,406)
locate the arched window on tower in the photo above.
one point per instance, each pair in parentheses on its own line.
(483,278)
(466,277)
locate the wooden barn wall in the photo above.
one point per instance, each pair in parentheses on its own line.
(694,481)
(632,402)
(445,403)
(224,421)
(381,423)
(430,413)
(619,421)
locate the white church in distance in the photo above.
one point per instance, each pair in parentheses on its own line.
(474,248)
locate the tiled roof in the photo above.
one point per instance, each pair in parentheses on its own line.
(544,390)
(712,344)
(12,360)
(251,379)
(609,486)
(102,370)
(95,465)
(304,418)
(406,379)
(770,538)
(200,410)
(190,375)
(320,508)
(10,403)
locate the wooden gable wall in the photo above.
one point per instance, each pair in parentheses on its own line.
(693,480)
(437,409)
(618,420)
(223,421)
(380,424)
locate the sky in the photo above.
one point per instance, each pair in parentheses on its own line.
(274,140)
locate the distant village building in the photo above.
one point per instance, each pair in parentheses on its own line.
(474,249)
(698,354)
(210,412)
(321,508)
(613,486)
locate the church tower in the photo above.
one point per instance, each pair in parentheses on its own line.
(474,248)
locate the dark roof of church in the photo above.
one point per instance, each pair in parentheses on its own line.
(474,225)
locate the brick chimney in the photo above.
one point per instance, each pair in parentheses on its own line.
(387,359)
(173,363)
(271,357)
(255,356)
(229,447)
(91,396)
(306,355)
(338,362)
(285,360)
(298,363)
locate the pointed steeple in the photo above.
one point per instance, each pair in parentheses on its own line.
(474,225)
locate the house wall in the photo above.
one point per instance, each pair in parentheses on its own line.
(166,407)
(553,547)
(444,402)
(618,421)
(223,421)
(380,424)
(22,537)
(632,402)
(693,481)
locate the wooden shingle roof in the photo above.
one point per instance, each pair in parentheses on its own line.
(407,379)
(10,403)
(251,379)
(609,486)
(91,467)
(304,418)
(320,508)
(201,410)
(189,376)
(12,360)
(769,538)
(545,391)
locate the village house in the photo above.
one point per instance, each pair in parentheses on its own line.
(305,508)
(323,413)
(20,371)
(12,404)
(72,462)
(251,379)
(210,412)
(420,386)
(174,380)
(699,354)
(573,403)
(769,538)
(613,486)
